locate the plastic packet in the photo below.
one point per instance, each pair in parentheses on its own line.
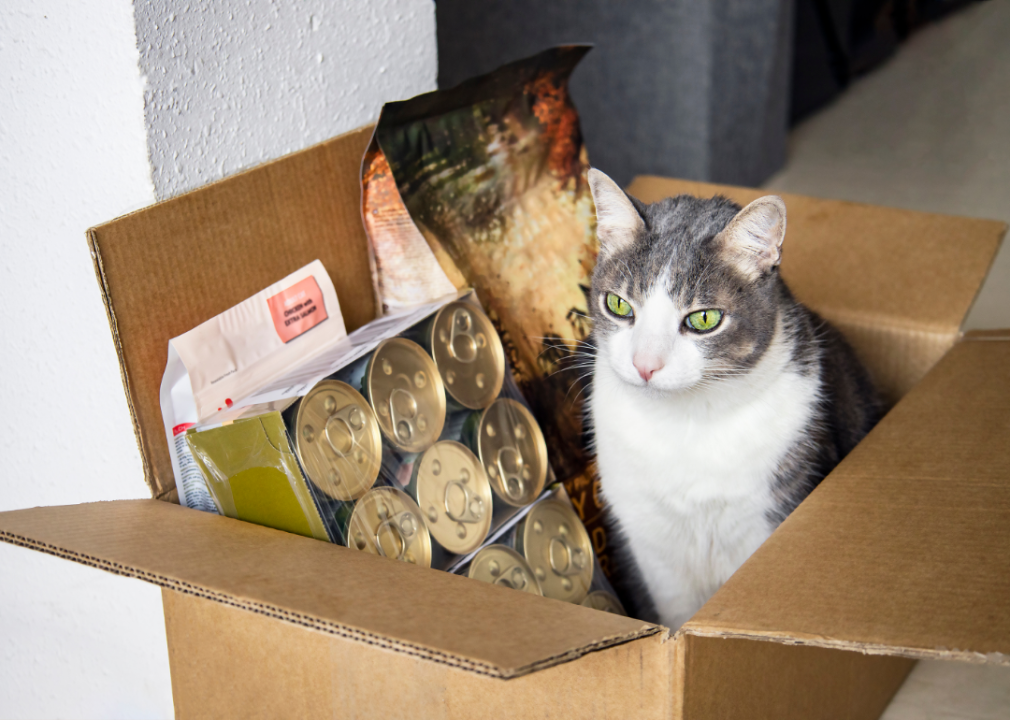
(239,352)
(421,449)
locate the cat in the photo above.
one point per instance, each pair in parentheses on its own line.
(717,401)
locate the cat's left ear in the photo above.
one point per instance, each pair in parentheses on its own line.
(753,239)
(618,222)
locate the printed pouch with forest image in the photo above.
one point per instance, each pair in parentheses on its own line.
(484,185)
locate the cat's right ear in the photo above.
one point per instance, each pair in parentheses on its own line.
(618,223)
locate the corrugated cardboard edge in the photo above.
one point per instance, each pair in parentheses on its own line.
(155,431)
(812,640)
(985,281)
(678,678)
(96,259)
(804,639)
(713,628)
(329,627)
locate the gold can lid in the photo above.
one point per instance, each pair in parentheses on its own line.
(512,451)
(503,566)
(337,440)
(602,600)
(386,522)
(468,353)
(407,394)
(454,496)
(556,545)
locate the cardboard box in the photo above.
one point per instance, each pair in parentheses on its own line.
(900,554)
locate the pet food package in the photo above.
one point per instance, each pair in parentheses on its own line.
(252,473)
(484,185)
(235,354)
(416,445)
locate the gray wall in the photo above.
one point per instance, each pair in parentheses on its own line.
(687,89)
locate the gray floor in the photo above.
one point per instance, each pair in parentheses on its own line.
(952,691)
(930,131)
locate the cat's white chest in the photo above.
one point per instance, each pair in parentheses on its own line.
(691,484)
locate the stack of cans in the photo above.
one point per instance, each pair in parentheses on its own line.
(457,454)
(421,448)
(547,552)
(421,451)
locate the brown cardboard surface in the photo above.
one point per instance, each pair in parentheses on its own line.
(229,663)
(897,283)
(166,269)
(902,551)
(436,616)
(905,548)
(728,678)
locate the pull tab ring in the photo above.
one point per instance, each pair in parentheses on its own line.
(566,559)
(340,435)
(470,514)
(510,467)
(514,578)
(463,343)
(403,414)
(401,535)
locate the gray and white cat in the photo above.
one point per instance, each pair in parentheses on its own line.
(718,401)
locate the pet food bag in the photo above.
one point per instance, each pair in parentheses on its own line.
(484,186)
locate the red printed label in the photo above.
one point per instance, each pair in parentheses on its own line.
(297,309)
(182,428)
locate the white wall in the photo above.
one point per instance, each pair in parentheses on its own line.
(233,83)
(74,642)
(226,88)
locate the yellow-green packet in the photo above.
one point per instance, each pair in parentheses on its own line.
(253,475)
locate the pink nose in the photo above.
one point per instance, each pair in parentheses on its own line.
(647,366)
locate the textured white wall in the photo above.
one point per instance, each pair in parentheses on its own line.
(74,642)
(236,82)
(229,84)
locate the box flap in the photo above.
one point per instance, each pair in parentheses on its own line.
(780,682)
(227,663)
(445,618)
(166,269)
(898,283)
(904,549)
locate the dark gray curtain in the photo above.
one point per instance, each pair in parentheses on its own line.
(692,89)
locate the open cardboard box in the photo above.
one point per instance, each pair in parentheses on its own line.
(900,554)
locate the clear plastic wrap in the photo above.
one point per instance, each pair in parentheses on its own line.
(544,549)
(420,450)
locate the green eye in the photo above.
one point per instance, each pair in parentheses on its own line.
(618,305)
(704,320)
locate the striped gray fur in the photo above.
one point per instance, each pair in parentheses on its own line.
(678,248)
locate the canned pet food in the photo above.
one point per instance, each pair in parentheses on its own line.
(602,600)
(337,440)
(556,545)
(511,449)
(454,495)
(403,387)
(503,566)
(467,352)
(386,522)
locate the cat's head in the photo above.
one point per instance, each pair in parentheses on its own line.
(685,291)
